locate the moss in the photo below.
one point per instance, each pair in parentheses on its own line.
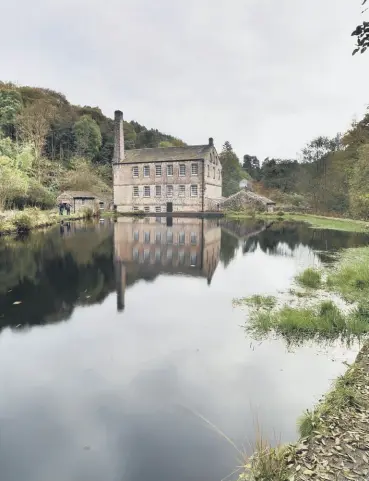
(310,278)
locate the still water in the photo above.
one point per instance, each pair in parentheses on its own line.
(120,349)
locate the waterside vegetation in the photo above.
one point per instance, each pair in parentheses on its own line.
(334,443)
(14,221)
(314,221)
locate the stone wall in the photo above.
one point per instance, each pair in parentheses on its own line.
(124,184)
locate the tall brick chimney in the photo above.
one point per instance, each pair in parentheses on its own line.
(211,141)
(118,137)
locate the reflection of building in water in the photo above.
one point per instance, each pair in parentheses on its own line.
(148,247)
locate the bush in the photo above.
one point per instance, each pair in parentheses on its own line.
(310,278)
(280,213)
(23,222)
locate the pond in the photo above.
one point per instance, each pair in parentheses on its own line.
(122,358)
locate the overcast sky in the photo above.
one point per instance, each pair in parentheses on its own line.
(267,75)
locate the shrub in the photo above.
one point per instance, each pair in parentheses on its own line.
(310,278)
(23,222)
(307,423)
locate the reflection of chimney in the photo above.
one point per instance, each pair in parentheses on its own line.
(211,142)
(120,272)
(118,137)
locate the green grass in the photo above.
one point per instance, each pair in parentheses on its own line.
(23,221)
(315,221)
(308,422)
(310,278)
(257,301)
(324,321)
(351,276)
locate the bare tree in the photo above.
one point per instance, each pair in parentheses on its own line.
(33,125)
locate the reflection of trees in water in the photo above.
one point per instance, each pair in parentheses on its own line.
(283,238)
(51,273)
(228,247)
(294,235)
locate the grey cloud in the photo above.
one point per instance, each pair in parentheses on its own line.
(266,75)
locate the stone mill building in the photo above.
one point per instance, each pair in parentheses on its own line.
(165,179)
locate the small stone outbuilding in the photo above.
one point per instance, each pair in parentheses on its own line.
(82,199)
(245,199)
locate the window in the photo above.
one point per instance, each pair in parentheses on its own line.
(169,169)
(146,171)
(158,237)
(169,254)
(219,174)
(157,255)
(135,191)
(181,238)
(135,209)
(135,171)
(194,169)
(146,254)
(193,190)
(181,257)
(147,209)
(169,191)
(169,237)
(135,254)
(157,169)
(182,169)
(136,235)
(193,259)
(158,209)
(213,172)
(146,191)
(208,170)
(147,237)
(158,190)
(193,238)
(182,191)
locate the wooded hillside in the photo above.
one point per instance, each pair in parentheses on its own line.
(48,145)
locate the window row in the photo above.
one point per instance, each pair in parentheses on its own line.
(168,191)
(166,238)
(158,256)
(213,172)
(169,169)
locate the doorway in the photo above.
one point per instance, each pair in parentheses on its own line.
(169,207)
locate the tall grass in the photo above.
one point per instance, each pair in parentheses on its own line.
(351,276)
(324,321)
(310,278)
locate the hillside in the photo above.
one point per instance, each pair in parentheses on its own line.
(48,144)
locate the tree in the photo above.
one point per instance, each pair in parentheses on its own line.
(33,124)
(251,164)
(362,34)
(10,106)
(232,172)
(359,192)
(13,183)
(88,137)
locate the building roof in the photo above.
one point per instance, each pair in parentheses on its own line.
(162,154)
(251,195)
(76,194)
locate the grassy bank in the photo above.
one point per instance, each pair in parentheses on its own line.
(315,221)
(12,222)
(334,443)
